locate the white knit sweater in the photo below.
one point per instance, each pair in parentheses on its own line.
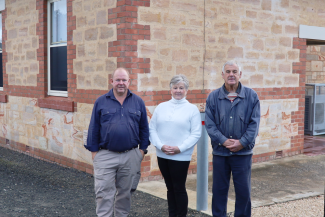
(175,123)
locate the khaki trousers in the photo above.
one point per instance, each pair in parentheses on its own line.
(114,174)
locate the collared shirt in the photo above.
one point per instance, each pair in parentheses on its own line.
(118,127)
(238,120)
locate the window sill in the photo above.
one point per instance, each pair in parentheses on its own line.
(58,103)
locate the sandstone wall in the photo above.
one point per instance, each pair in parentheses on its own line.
(22,66)
(315,65)
(257,33)
(92,64)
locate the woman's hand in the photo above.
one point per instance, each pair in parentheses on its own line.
(170,150)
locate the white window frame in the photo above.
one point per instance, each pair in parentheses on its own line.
(49,33)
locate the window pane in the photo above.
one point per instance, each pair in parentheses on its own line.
(59,22)
(59,68)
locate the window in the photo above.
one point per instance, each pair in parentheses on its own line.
(1,73)
(57,47)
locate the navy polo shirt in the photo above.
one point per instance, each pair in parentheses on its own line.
(118,127)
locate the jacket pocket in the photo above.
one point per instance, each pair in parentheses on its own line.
(243,125)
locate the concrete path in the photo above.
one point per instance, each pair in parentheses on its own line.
(276,181)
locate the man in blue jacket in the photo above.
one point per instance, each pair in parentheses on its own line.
(232,121)
(118,126)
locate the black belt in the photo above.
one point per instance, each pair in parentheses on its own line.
(120,152)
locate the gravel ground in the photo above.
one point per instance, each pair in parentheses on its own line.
(31,187)
(307,207)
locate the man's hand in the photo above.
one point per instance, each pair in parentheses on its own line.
(228,142)
(236,146)
(142,152)
(94,154)
(170,150)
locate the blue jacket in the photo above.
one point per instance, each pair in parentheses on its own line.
(118,127)
(238,120)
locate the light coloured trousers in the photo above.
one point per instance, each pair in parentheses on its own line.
(114,174)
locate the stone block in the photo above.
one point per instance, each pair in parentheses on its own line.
(106,32)
(225,10)
(262,27)
(247,25)
(235,52)
(101,17)
(91,34)
(271,42)
(285,41)
(81,21)
(221,27)
(77,66)
(265,16)
(316,66)
(160,3)
(149,82)
(30,55)
(23,32)
(147,49)
(256,80)
(253,2)
(81,50)
(149,17)
(110,66)
(258,44)
(194,22)
(77,36)
(42,143)
(291,29)
(292,80)
(164,52)
(294,55)
(110,3)
(193,40)
(234,27)
(280,56)
(12,33)
(35,42)
(158,65)
(276,28)
(175,19)
(184,6)
(102,49)
(81,81)
(263,66)
(252,55)
(77,7)
(159,33)
(100,82)
(285,67)
(32,80)
(180,55)
(251,14)
(266,5)
(226,40)
(285,3)
(89,69)
(33,67)
(189,71)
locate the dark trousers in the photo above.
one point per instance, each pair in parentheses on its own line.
(175,174)
(240,168)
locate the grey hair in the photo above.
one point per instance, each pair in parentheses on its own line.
(230,63)
(179,78)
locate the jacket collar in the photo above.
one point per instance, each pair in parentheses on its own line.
(223,94)
(111,94)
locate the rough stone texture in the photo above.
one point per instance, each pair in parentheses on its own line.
(250,31)
(315,65)
(91,38)
(21,28)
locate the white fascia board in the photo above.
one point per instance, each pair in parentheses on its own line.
(312,32)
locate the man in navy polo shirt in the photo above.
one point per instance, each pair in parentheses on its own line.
(118,137)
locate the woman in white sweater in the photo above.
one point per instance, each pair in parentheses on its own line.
(175,128)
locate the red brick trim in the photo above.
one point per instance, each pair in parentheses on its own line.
(58,103)
(3,98)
